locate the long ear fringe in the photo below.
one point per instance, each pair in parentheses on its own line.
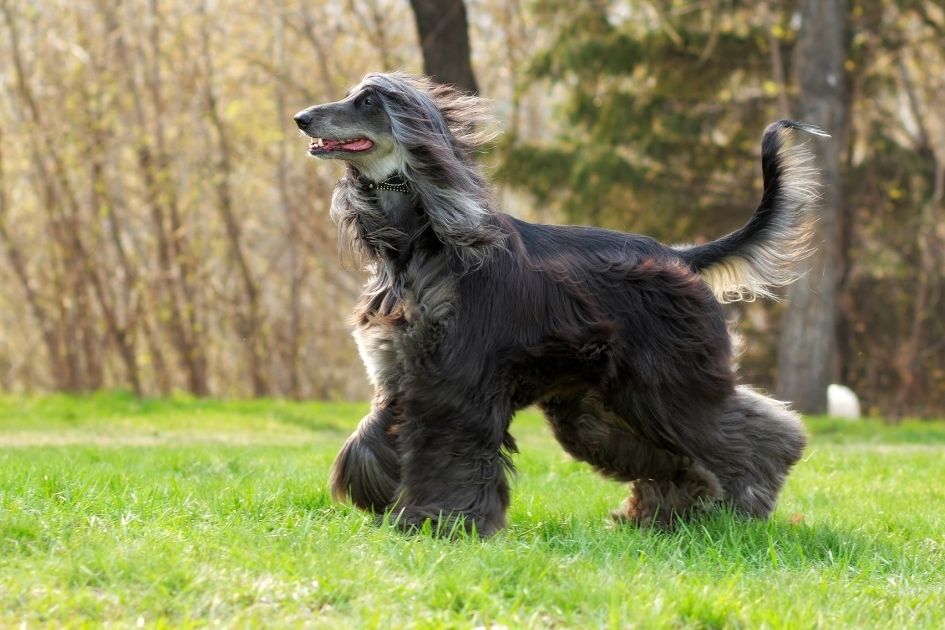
(469,117)
(438,131)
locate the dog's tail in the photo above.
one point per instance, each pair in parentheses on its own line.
(760,256)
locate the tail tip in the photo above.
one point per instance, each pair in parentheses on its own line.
(800,126)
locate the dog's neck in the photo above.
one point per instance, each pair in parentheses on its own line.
(382,219)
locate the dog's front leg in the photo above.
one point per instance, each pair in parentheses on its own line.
(367,470)
(454,465)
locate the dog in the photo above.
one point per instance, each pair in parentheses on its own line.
(470,315)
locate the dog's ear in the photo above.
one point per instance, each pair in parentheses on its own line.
(467,115)
(421,106)
(435,128)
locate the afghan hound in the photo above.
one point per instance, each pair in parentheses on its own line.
(470,314)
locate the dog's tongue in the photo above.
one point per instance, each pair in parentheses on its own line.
(361,144)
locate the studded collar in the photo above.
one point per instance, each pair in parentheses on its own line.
(395,183)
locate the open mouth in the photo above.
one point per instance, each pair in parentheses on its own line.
(320,146)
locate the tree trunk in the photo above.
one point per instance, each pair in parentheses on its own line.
(807,353)
(292,223)
(250,321)
(174,290)
(444,38)
(40,313)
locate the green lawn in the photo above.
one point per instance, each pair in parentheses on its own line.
(189,513)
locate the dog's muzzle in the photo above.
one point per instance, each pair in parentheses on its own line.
(303,119)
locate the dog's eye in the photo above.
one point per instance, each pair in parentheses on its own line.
(368,100)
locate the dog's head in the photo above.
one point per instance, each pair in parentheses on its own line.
(356,129)
(397,124)
(391,121)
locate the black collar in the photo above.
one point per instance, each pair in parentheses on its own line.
(395,182)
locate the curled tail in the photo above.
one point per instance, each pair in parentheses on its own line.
(761,255)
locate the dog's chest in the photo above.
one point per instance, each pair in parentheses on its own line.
(400,333)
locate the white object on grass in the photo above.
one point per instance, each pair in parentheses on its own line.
(842,402)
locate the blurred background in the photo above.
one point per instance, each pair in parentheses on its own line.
(162,230)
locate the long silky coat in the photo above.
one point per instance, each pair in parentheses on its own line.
(471,314)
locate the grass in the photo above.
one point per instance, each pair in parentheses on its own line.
(190,513)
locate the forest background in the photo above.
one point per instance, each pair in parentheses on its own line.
(161,229)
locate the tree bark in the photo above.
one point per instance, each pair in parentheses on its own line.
(807,353)
(444,39)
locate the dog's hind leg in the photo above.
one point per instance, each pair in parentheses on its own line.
(664,486)
(368,467)
(759,441)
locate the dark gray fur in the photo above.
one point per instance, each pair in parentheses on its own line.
(470,314)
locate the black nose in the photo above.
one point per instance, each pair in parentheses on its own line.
(303,119)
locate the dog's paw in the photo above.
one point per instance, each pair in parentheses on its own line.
(662,503)
(642,508)
(444,524)
(700,483)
